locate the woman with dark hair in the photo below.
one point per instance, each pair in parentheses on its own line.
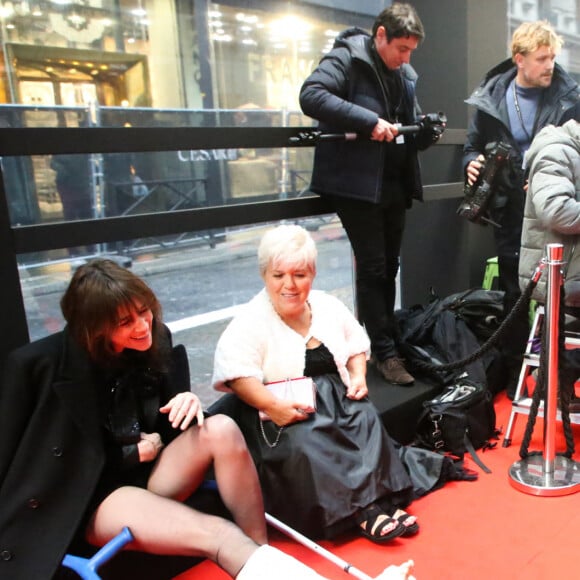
(99,431)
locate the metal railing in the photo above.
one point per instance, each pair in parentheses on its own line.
(33,141)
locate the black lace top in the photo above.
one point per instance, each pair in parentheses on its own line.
(319,361)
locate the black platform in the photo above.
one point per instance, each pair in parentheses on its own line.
(399,406)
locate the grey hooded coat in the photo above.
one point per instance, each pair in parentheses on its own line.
(552,210)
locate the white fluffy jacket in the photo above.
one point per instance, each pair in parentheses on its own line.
(257,343)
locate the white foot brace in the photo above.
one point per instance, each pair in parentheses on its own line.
(267,562)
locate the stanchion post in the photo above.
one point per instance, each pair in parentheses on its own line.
(555,253)
(551,474)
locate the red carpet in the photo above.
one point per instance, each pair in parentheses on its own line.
(469,530)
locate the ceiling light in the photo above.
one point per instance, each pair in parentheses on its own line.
(290,26)
(6,11)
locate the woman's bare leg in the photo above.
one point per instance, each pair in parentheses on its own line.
(219,442)
(164,526)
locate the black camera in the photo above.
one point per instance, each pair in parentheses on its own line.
(433,121)
(478,196)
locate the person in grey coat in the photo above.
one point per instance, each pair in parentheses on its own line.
(552,216)
(552,210)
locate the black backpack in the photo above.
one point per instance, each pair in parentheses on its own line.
(459,420)
(437,335)
(480,309)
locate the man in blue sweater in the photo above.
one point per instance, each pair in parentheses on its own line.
(514,101)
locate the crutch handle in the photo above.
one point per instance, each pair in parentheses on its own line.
(87,569)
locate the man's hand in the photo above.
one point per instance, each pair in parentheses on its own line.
(384,131)
(473,169)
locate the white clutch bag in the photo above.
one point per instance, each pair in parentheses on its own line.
(302,390)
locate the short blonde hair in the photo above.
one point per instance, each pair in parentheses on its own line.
(287,244)
(529,36)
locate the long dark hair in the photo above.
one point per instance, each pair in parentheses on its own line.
(96,294)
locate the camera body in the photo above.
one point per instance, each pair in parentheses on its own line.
(433,121)
(478,196)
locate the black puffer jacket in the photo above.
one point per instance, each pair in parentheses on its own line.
(490,123)
(344,93)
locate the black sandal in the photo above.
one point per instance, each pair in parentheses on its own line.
(372,530)
(408,530)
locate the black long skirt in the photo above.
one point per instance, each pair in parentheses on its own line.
(322,471)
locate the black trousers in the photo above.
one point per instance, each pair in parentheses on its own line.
(375,233)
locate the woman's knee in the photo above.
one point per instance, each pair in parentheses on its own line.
(111,515)
(223,431)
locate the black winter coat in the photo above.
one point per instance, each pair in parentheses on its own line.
(345,94)
(490,123)
(51,452)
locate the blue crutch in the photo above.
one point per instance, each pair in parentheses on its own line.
(87,568)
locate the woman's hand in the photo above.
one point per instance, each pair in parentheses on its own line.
(358,387)
(357,371)
(182,409)
(254,393)
(149,447)
(284,412)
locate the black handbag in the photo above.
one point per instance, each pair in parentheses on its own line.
(459,420)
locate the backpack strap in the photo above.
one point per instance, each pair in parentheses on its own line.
(472,452)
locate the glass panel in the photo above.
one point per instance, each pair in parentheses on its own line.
(114,63)
(264,56)
(157,63)
(199,289)
(68,187)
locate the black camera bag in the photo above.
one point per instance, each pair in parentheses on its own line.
(459,420)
